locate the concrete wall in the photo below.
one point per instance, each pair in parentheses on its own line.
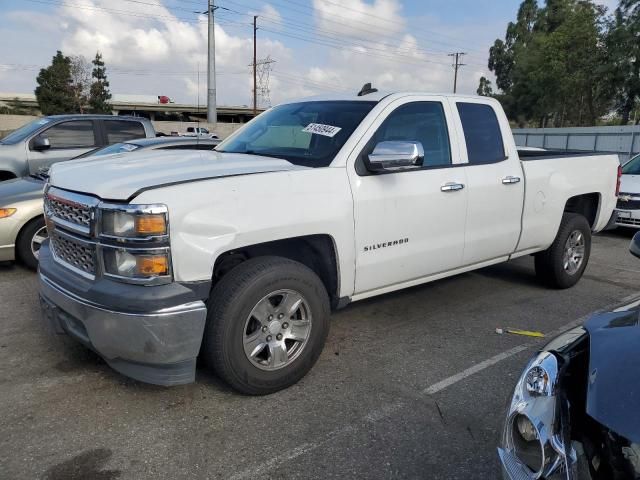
(8,123)
(223,130)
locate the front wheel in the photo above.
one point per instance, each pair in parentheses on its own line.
(564,262)
(267,323)
(29,242)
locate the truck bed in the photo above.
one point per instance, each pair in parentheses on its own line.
(529,155)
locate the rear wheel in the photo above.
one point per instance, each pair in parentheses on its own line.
(30,240)
(564,262)
(267,323)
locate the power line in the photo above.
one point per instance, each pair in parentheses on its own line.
(112,10)
(377,17)
(350,24)
(306,27)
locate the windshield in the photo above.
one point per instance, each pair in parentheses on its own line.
(109,149)
(307,133)
(632,167)
(24,131)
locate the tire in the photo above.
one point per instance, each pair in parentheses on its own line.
(246,305)
(29,240)
(552,267)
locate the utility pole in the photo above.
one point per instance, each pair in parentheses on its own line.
(255,83)
(456,65)
(212,114)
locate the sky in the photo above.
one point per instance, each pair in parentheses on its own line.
(159,47)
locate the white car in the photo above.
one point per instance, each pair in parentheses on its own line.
(628,206)
(239,255)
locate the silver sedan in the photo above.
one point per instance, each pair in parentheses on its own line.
(22,228)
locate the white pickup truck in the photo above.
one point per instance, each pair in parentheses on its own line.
(239,255)
(199,132)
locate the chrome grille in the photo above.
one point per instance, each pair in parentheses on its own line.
(67,210)
(74,253)
(628,204)
(628,221)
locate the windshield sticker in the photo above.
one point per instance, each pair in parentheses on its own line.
(320,129)
(128,147)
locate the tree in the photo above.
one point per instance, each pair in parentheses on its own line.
(80,81)
(623,68)
(484,87)
(54,91)
(99,94)
(550,66)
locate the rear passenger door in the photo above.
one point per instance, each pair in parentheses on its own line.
(410,224)
(117,131)
(68,139)
(495,183)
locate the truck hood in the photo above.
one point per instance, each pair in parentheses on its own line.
(630,184)
(123,176)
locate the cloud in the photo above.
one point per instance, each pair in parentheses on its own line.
(357,18)
(159,50)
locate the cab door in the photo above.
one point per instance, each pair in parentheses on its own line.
(67,139)
(495,182)
(408,224)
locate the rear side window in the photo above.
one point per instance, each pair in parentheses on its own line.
(122,131)
(422,122)
(482,133)
(74,134)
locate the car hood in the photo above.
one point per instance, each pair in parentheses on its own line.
(630,184)
(19,190)
(613,392)
(123,176)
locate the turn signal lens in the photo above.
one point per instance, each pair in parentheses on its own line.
(151,224)
(7,212)
(127,264)
(152,265)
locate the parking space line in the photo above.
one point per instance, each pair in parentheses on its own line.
(478,367)
(389,409)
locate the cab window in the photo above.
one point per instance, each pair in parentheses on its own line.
(123,130)
(72,134)
(422,122)
(481,133)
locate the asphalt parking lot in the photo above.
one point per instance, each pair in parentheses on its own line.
(410,385)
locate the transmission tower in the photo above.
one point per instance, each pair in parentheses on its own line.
(263,73)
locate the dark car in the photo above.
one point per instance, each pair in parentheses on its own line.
(156,143)
(57,138)
(575,411)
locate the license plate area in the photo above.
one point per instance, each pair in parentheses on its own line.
(624,214)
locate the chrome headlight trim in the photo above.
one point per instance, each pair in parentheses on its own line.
(132,209)
(538,401)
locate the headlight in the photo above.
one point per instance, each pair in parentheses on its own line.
(134,222)
(136,264)
(135,243)
(7,212)
(532,439)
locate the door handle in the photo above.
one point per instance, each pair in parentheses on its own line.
(509,180)
(451,187)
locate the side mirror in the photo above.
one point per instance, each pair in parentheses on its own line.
(41,143)
(395,156)
(634,248)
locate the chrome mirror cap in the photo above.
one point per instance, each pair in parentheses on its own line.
(396,155)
